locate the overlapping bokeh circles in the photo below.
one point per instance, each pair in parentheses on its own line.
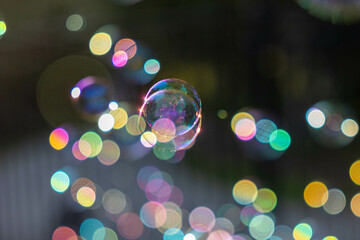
(336,202)
(260,137)
(316,194)
(91,228)
(153,214)
(54,90)
(331,123)
(172,110)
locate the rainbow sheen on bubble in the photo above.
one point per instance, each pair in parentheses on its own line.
(172,110)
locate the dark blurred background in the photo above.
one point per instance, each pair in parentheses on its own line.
(269,55)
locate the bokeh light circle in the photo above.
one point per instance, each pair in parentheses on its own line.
(59,138)
(106,122)
(315,118)
(60,181)
(336,202)
(245,129)
(316,194)
(355,205)
(119,59)
(302,231)
(280,140)
(100,43)
(349,127)
(355,172)
(130,226)
(152,66)
(153,214)
(202,219)
(245,192)
(74,22)
(64,233)
(265,201)
(2,28)
(91,226)
(86,196)
(110,153)
(261,227)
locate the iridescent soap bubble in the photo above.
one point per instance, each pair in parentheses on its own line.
(91,96)
(172,110)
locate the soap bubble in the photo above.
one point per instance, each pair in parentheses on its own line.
(92,96)
(172,110)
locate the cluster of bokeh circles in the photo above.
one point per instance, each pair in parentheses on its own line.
(332,124)
(168,123)
(260,136)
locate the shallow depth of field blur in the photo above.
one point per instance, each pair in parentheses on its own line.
(180,120)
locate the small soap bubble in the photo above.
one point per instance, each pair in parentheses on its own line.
(172,111)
